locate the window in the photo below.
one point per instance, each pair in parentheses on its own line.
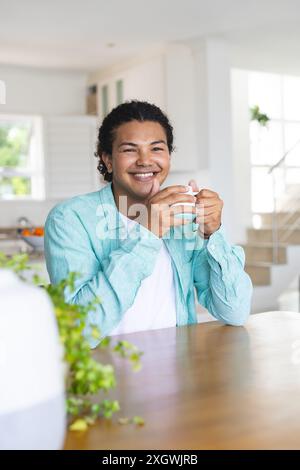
(104,99)
(2,92)
(279,97)
(21,158)
(119,91)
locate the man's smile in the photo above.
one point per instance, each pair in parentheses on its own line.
(143,176)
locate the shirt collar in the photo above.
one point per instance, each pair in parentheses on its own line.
(111,213)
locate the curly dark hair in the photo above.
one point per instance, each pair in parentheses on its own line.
(126,112)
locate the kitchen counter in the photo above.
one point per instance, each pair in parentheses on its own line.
(11,244)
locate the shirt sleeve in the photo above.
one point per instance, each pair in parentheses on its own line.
(115,281)
(222,285)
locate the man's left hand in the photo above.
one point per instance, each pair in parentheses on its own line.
(210,207)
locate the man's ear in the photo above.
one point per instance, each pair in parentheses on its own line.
(107,161)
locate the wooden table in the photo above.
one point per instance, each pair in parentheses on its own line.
(209,386)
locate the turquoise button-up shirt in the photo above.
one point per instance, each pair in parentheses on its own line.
(86,234)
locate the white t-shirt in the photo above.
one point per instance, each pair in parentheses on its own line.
(154,305)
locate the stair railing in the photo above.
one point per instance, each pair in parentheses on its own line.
(291,220)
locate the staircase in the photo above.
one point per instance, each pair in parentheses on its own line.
(273,248)
(262,253)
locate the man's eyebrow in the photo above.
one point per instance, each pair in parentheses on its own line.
(128,143)
(158,142)
(132,144)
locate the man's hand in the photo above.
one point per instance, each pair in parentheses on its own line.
(161,216)
(209,210)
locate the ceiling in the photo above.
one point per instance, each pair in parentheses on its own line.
(79,34)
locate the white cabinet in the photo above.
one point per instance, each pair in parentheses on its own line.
(143,81)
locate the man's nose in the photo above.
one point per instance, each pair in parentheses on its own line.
(144,157)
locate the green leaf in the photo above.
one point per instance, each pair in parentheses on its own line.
(79,425)
(138,421)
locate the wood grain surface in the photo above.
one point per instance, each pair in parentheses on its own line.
(208,386)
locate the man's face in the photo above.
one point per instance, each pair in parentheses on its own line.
(140,155)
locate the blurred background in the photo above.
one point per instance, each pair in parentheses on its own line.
(227,72)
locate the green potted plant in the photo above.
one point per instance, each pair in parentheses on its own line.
(256,115)
(85,378)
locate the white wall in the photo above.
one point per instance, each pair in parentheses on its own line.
(35,211)
(201,101)
(44,92)
(180,97)
(266,57)
(149,86)
(241,151)
(220,130)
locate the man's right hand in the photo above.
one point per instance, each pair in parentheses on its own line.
(161,216)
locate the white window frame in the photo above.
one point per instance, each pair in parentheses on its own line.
(36,172)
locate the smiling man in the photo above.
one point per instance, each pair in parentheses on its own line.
(142,249)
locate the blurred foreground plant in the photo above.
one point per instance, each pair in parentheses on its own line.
(85,377)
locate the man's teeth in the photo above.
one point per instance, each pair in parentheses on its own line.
(143,175)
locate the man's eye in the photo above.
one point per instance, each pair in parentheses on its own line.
(129,150)
(157,149)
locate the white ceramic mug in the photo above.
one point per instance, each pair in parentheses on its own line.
(191,193)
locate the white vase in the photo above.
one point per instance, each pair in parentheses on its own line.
(32,401)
